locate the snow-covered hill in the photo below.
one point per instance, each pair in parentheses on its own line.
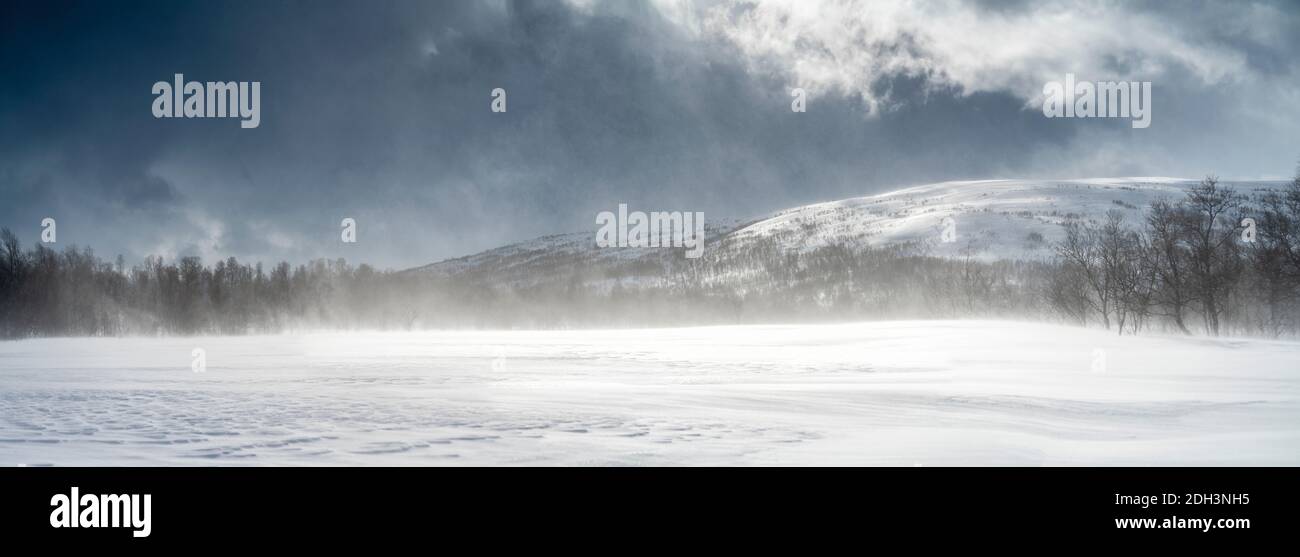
(992,219)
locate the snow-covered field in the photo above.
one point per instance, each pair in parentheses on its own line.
(885,393)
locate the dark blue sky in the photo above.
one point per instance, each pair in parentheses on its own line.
(380,111)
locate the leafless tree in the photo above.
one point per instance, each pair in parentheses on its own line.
(1082,251)
(1168,258)
(1212,237)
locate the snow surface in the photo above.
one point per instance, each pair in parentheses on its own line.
(929,393)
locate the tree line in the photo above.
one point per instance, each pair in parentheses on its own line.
(1213,262)
(1191,266)
(73,292)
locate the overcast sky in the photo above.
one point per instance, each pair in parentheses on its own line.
(380,111)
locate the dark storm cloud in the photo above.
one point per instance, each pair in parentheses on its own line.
(380,111)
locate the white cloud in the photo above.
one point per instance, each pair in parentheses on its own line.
(843,46)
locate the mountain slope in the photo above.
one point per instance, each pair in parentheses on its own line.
(992,220)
